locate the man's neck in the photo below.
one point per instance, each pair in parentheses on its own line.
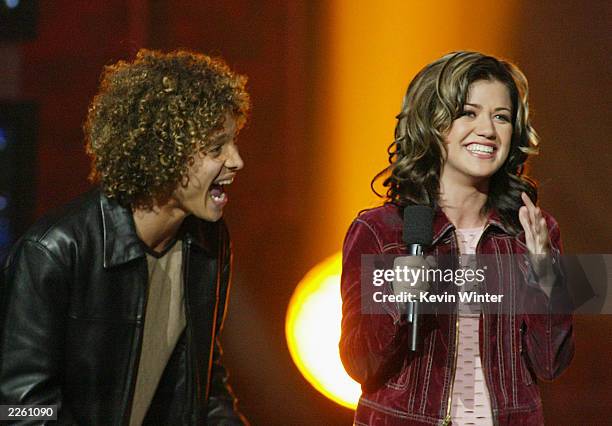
(158,227)
(463,202)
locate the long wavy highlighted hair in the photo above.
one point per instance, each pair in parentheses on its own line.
(436,97)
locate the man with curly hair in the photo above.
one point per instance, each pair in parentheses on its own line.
(111,309)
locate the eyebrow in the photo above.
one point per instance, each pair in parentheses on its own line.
(496,109)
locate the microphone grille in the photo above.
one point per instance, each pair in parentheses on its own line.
(418,225)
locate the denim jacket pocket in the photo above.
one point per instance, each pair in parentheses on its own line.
(407,375)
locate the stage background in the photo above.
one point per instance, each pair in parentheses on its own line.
(283,213)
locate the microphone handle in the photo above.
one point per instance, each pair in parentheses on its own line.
(413,307)
(415,326)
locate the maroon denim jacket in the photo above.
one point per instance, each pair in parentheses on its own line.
(414,388)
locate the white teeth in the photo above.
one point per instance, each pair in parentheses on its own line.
(218,198)
(225,182)
(475,147)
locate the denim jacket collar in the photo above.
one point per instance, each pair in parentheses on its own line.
(441,224)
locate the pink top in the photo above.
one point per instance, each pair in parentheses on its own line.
(471,404)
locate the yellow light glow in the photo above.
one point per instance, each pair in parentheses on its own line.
(313,332)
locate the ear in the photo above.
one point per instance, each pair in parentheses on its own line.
(184,181)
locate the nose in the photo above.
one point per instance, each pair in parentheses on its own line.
(234,160)
(485,127)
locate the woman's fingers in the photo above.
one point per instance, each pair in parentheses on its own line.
(525,219)
(528,203)
(526,224)
(534,224)
(531,208)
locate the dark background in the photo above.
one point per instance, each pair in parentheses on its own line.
(563,47)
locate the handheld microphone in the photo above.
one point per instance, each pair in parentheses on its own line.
(418,234)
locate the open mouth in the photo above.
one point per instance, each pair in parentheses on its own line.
(217,191)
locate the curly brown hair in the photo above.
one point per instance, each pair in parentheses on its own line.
(151,117)
(436,97)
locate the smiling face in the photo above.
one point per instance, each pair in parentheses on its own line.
(204,194)
(478,141)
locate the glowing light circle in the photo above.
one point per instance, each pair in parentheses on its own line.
(312,328)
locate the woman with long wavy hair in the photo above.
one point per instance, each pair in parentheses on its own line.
(461,142)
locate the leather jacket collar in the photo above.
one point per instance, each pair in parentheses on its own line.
(122,244)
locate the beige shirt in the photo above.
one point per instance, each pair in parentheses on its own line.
(471,404)
(163,324)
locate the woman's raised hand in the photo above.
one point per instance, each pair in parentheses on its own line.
(534,224)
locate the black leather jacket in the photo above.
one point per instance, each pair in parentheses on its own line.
(73,293)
